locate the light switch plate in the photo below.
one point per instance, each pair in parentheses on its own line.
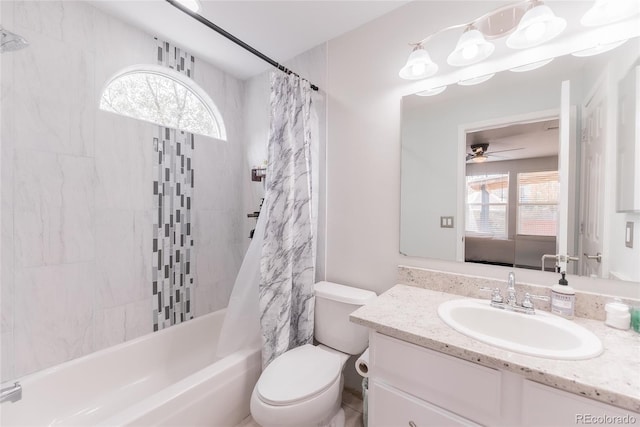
(446,222)
(628,238)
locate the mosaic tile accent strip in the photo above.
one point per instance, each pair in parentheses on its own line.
(173,183)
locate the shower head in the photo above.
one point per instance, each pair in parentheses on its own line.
(10,41)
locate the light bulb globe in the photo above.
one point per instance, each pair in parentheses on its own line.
(471,48)
(538,25)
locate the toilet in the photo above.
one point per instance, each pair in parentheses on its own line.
(303,387)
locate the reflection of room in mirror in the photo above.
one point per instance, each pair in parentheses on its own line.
(466,129)
(511,206)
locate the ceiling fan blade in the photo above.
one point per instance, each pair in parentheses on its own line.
(502,151)
(470,156)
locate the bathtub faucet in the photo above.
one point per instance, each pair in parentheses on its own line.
(12,393)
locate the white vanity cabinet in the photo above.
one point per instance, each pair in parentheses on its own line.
(412,386)
(547,406)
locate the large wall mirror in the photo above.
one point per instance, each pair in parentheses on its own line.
(528,164)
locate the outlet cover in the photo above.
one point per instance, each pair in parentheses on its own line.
(446,222)
(628,238)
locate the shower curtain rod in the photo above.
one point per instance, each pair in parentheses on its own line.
(234,39)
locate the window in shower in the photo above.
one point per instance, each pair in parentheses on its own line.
(165,97)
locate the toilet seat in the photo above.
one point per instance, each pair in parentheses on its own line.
(298,375)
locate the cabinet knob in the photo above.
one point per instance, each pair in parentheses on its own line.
(412,424)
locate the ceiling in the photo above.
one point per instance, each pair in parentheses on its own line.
(279,29)
(524,140)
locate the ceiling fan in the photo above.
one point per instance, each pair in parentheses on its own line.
(479,152)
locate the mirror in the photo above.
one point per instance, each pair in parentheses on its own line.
(486,179)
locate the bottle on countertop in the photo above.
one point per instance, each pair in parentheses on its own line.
(618,315)
(563,298)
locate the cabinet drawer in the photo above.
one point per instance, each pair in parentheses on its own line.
(392,408)
(546,406)
(456,385)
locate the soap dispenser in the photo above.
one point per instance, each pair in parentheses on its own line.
(563,298)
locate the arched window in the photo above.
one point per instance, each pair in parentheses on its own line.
(165,97)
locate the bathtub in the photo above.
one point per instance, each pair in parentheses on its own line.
(168,378)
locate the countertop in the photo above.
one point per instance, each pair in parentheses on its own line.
(410,314)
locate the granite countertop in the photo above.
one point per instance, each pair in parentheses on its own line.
(410,314)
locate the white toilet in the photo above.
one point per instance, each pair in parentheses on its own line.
(303,387)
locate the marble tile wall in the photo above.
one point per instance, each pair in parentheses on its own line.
(218,211)
(77,192)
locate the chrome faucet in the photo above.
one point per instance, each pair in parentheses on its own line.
(512,298)
(11,393)
(511,301)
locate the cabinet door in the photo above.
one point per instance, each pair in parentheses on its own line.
(389,407)
(459,386)
(547,406)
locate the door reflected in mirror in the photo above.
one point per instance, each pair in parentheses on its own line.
(522,174)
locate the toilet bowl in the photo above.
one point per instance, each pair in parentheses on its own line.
(300,388)
(303,386)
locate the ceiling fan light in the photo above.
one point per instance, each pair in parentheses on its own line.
(605,12)
(471,48)
(480,158)
(531,66)
(432,92)
(598,49)
(419,65)
(476,80)
(538,25)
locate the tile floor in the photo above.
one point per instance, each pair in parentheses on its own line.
(351,403)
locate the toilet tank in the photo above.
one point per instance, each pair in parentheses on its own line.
(334,304)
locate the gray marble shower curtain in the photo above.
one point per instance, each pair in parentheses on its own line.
(288,251)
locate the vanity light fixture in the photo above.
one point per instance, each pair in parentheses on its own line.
(537,26)
(524,24)
(419,65)
(605,12)
(527,23)
(432,92)
(601,48)
(472,47)
(532,66)
(476,80)
(192,5)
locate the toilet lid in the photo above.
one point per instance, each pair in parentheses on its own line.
(297,375)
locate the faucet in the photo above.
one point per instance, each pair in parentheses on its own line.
(511,301)
(12,393)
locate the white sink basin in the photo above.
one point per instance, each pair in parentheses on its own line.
(541,334)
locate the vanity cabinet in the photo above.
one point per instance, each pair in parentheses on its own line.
(395,408)
(413,386)
(545,406)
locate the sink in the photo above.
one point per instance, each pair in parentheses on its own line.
(541,334)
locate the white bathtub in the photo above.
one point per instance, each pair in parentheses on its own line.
(168,378)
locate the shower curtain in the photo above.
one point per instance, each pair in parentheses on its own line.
(272,300)
(287,266)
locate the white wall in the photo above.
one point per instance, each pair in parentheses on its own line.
(363,153)
(77,190)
